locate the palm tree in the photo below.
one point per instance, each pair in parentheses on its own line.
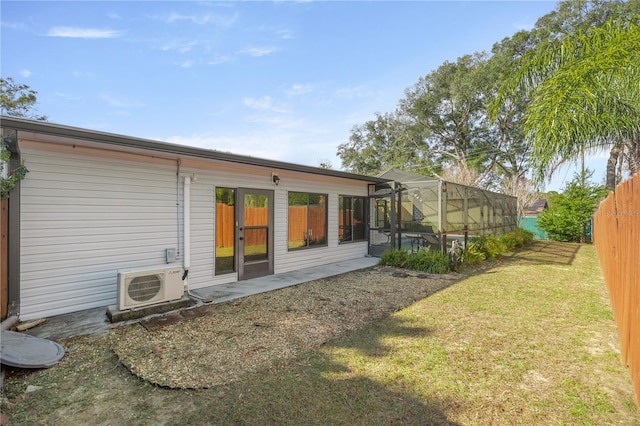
(583,93)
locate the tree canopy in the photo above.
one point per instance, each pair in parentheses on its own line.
(584,93)
(441,127)
(478,118)
(17,100)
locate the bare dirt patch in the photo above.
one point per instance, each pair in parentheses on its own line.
(246,335)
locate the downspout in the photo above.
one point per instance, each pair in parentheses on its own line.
(178,163)
(13,241)
(186,220)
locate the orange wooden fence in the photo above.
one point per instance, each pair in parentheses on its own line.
(253,216)
(225,225)
(316,220)
(616,232)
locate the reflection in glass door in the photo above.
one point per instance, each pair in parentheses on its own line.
(225,231)
(255,233)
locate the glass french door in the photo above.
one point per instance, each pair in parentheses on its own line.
(255,233)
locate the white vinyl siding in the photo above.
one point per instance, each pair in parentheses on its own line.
(202,233)
(202,252)
(87,213)
(82,219)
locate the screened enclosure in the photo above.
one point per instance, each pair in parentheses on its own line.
(413,211)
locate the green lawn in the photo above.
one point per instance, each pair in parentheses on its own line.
(531,341)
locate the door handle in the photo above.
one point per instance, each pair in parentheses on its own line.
(241,238)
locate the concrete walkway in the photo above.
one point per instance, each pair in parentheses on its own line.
(94,321)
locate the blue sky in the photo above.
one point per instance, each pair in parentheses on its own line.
(281,80)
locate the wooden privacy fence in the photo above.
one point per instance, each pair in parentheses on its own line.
(298,216)
(302,219)
(225,225)
(616,232)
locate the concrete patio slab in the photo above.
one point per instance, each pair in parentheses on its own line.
(95,322)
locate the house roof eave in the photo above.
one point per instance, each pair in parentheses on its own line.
(112,139)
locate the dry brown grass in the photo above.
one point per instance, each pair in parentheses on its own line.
(249,334)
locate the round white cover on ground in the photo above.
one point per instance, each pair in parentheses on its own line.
(25,351)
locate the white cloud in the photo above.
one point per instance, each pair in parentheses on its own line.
(299,89)
(220,21)
(285,34)
(259,51)
(219,59)
(274,147)
(25,73)
(174,16)
(355,92)
(13,25)
(263,103)
(187,64)
(182,47)
(73,32)
(272,136)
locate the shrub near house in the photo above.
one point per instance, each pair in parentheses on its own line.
(433,261)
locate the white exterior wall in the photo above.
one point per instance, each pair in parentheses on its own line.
(87,213)
(286,260)
(84,217)
(202,272)
(207,178)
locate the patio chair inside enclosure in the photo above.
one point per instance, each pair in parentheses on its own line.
(424,238)
(382,237)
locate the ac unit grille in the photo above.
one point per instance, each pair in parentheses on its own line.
(148,286)
(144,287)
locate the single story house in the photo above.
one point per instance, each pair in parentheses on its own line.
(94,204)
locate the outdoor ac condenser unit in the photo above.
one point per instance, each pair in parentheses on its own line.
(147,286)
